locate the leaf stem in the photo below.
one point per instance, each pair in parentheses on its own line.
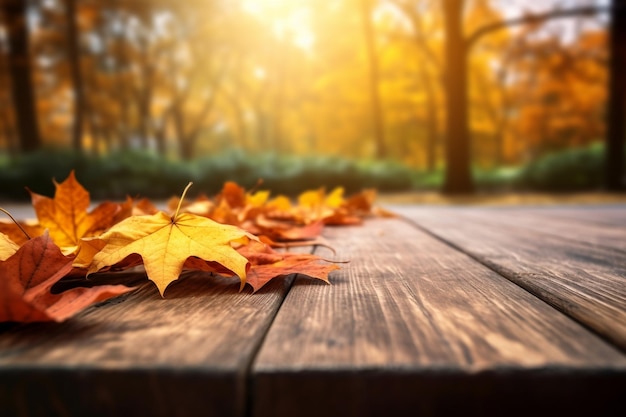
(256,186)
(16,223)
(180,202)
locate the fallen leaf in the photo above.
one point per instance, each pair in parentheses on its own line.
(7,247)
(285,231)
(335,197)
(233,194)
(66,216)
(257,199)
(267,264)
(278,217)
(280,204)
(144,206)
(15,232)
(361,202)
(165,243)
(27,276)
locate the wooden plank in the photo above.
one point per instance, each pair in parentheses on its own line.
(611,215)
(582,225)
(584,281)
(186,355)
(414,327)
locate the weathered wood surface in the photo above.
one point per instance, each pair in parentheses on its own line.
(141,355)
(414,327)
(585,281)
(609,215)
(411,326)
(596,226)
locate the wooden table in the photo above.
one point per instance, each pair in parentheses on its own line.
(444,311)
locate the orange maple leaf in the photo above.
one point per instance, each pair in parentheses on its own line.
(27,276)
(20,231)
(267,264)
(66,216)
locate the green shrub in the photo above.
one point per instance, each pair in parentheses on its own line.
(499,179)
(146,174)
(35,171)
(570,170)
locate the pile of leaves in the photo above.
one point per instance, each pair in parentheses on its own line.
(234,234)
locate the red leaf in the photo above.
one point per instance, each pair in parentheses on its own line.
(27,276)
(267,264)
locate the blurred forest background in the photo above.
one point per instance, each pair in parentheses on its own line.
(141,96)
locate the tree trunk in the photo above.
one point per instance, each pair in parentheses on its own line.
(616,112)
(22,88)
(73,49)
(458,176)
(8,132)
(432,130)
(374,80)
(185,147)
(159,127)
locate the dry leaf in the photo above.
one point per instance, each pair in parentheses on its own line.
(66,216)
(27,276)
(7,247)
(267,264)
(16,233)
(165,243)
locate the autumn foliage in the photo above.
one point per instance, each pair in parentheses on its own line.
(237,234)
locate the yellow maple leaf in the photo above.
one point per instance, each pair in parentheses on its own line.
(335,198)
(7,247)
(258,198)
(165,243)
(281,202)
(312,198)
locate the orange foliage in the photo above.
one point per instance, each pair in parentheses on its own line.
(115,237)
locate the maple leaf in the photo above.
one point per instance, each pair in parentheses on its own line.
(285,231)
(144,206)
(232,194)
(257,199)
(66,215)
(27,276)
(16,230)
(165,243)
(7,247)
(267,264)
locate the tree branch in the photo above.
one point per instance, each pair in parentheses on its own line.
(534,18)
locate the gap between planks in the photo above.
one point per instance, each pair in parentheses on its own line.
(437,321)
(596,302)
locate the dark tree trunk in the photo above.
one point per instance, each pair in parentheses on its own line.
(145,87)
(160,131)
(432,130)
(616,112)
(73,48)
(374,81)
(178,120)
(458,176)
(22,88)
(144,97)
(8,132)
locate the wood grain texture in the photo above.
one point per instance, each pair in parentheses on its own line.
(609,215)
(583,280)
(594,226)
(186,355)
(414,327)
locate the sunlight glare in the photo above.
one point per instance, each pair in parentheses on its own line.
(289,20)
